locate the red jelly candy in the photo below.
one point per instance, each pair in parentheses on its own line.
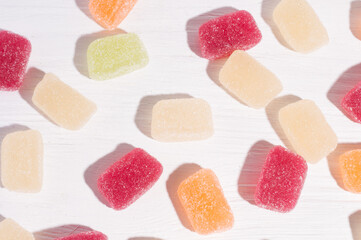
(281,180)
(129,178)
(14,55)
(351,103)
(219,37)
(91,235)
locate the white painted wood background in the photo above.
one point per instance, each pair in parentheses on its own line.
(60,31)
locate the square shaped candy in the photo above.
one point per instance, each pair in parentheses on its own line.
(90,235)
(187,119)
(351,103)
(22,161)
(281,180)
(350,164)
(129,178)
(117,55)
(62,104)
(110,13)
(307,130)
(219,37)
(248,80)
(202,198)
(299,25)
(10,230)
(14,56)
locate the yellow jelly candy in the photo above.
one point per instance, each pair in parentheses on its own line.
(299,25)
(62,104)
(22,161)
(113,56)
(350,164)
(181,120)
(202,198)
(307,130)
(10,230)
(248,80)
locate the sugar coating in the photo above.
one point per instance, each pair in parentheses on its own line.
(351,103)
(10,230)
(117,55)
(62,104)
(307,130)
(248,80)
(129,178)
(350,164)
(90,235)
(202,198)
(110,13)
(14,56)
(219,37)
(22,161)
(281,181)
(300,26)
(186,119)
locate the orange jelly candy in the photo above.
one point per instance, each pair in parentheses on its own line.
(110,13)
(350,163)
(202,197)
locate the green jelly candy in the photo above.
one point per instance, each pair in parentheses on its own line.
(113,56)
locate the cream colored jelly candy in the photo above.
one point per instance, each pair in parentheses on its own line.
(248,80)
(299,25)
(22,161)
(10,230)
(307,130)
(62,104)
(181,120)
(202,198)
(113,56)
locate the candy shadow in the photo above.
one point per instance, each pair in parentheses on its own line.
(251,170)
(268,7)
(5,131)
(144,238)
(32,77)
(83,5)
(355,225)
(93,172)
(173,182)
(61,231)
(193,25)
(143,116)
(81,48)
(333,161)
(272,110)
(355,19)
(2,218)
(343,85)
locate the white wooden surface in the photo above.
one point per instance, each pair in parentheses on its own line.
(60,31)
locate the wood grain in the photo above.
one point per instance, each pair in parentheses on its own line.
(60,32)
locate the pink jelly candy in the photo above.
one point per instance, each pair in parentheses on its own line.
(129,178)
(91,235)
(351,103)
(219,37)
(14,56)
(281,180)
